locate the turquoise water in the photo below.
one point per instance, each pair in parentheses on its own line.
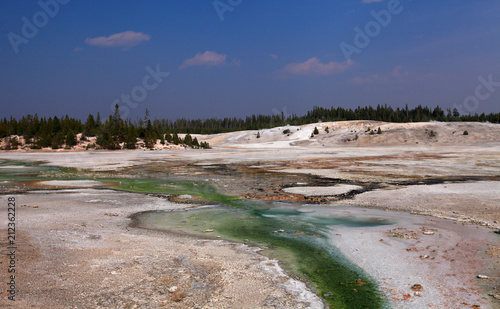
(292,234)
(17,169)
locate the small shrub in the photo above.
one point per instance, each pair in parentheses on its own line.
(258,134)
(178,295)
(432,133)
(466,133)
(286,131)
(327,130)
(14,143)
(315,132)
(356,137)
(379,131)
(205,145)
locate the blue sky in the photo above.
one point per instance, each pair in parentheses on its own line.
(61,57)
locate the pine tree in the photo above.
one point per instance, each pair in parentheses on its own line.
(196,143)
(98,122)
(105,140)
(150,140)
(90,126)
(149,134)
(117,126)
(169,137)
(188,140)
(56,125)
(131,138)
(70,139)
(175,139)
(55,144)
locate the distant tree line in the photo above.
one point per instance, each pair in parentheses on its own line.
(317,114)
(112,133)
(116,133)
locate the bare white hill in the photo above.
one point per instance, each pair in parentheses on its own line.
(361,133)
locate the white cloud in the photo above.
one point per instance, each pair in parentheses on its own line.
(274,56)
(208,58)
(313,66)
(125,39)
(372,1)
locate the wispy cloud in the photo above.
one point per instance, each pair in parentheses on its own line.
(236,62)
(208,58)
(125,40)
(314,67)
(397,74)
(371,1)
(372,79)
(397,71)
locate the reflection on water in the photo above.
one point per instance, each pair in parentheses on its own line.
(321,220)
